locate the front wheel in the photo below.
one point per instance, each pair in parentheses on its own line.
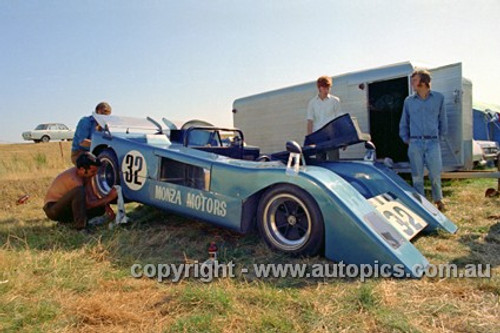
(45,139)
(107,175)
(289,220)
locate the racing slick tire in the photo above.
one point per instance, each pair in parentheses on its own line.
(290,221)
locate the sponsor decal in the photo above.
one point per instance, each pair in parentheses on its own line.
(191,199)
(168,194)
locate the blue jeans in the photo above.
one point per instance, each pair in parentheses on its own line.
(426,152)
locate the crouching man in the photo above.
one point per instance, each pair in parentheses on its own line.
(69,197)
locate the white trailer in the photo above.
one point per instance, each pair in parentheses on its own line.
(375,98)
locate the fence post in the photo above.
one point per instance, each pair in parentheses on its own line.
(61,150)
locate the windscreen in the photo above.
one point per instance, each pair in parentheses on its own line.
(128,124)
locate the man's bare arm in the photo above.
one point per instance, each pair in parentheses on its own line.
(92,201)
(309,126)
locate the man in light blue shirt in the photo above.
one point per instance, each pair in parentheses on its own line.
(84,130)
(423,123)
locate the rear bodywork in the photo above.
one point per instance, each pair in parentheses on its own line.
(369,213)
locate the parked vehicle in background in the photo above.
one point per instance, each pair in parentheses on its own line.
(484,151)
(486,123)
(50,131)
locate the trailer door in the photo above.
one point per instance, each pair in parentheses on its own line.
(386,100)
(456,148)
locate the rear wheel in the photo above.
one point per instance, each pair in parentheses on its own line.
(107,175)
(289,220)
(45,139)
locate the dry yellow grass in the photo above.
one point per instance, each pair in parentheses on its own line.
(53,279)
(22,161)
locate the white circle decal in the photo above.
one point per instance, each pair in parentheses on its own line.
(134,170)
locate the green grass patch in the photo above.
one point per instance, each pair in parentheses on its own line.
(205,298)
(18,315)
(194,323)
(40,160)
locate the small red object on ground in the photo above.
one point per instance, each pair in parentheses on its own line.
(212,251)
(22,199)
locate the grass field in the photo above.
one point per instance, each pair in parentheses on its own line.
(53,279)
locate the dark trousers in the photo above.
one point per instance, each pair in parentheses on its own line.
(71,208)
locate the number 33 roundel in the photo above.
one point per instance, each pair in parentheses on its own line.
(134,170)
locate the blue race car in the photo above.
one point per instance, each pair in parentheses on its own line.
(356,211)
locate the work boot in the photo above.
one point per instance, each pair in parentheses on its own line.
(441,206)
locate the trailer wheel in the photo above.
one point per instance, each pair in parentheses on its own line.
(289,220)
(107,175)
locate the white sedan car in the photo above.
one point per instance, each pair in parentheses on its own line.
(47,132)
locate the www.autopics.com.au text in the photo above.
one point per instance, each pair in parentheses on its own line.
(208,271)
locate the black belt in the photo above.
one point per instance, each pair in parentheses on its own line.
(423,137)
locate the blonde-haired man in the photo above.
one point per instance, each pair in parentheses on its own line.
(323,107)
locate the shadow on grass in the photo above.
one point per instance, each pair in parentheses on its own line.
(481,251)
(37,234)
(446,186)
(152,233)
(157,237)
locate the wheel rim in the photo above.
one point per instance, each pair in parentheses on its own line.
(287,222)
(45,139)
(106,176)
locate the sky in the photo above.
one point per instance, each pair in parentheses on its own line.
(191,59)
